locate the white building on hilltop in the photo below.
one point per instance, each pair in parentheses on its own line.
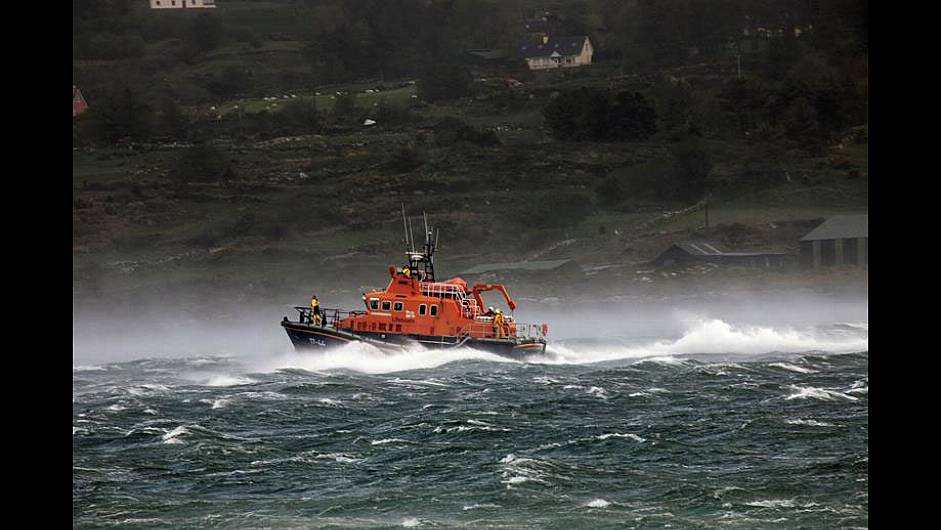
(182,4)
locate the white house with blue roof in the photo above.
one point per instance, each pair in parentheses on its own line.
(557,52)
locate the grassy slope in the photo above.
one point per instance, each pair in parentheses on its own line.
(133,231)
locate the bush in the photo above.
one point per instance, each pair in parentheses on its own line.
(404,160)
(443,80)
(344,107)
(388,113)
(609,191)
(298,116)
(452,130)
(233,81)
(592,114)
(200,163)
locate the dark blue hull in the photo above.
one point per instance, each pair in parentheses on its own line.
(307,337)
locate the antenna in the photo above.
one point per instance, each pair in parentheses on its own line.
(428,249)
(411,235)
(405,226)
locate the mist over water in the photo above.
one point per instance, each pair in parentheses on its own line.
(602,331)
(728,411)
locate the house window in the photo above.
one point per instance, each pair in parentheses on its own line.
(398,328)
(373,303)
(434,310)
(422,309)
(173,3)
(382,327)
(397,306)
(386,305)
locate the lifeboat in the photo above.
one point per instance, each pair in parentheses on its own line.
(417,309)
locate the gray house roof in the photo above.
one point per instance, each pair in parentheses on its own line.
(711,248)
(544,265)
(560,45)
(841,227)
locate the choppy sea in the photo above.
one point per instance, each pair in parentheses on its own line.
(722,426)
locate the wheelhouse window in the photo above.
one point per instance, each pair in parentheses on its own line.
(397,306)
(434,310)
(386,305)
(422,309)
(373,303)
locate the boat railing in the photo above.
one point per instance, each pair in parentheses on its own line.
(442,290)
(509,329)
(467,304)
(329,316)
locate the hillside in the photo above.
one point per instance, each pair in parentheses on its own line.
(220,164)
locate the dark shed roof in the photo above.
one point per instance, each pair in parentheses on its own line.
(841,227)
(560,45)
(702,248)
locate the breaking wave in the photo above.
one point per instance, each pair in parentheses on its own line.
(714,336)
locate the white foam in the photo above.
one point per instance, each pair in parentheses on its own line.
(221,380)
(597,503)
(411,522)
(793,368)
(385,441)
(813,423)
(632,436)
(779,503)
(818,393)
(340,458)
(478,506)
(171,437)
(711,336)
(365,358)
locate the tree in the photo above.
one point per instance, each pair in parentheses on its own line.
(121,114)
(172,121)
(233,81)
(676,103)
(801,123)
(206,33)
(444,78)
(589,113)
(344,106)
(609,191)
(746,102)
(691,168)
(632,117)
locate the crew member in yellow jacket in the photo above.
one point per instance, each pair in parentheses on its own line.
(315,315)
(498,323)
